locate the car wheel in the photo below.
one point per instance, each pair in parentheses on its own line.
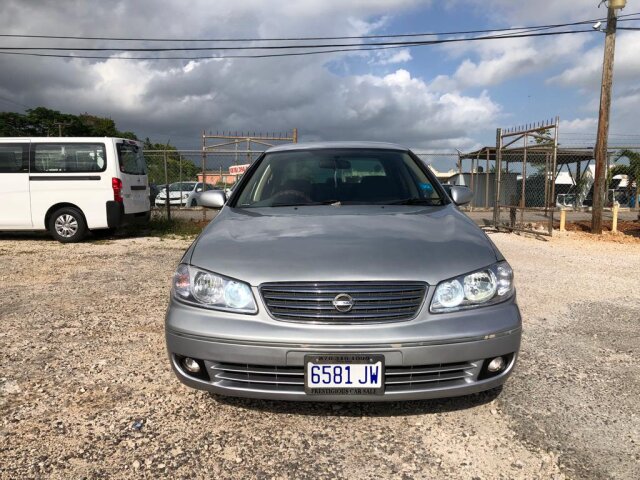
(67,225)
(194,203)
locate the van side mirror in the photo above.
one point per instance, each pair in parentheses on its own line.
(460,195)
(212,199)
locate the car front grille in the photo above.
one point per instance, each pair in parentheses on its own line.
(291,379)
(371,301)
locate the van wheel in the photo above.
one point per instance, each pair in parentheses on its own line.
(67,225)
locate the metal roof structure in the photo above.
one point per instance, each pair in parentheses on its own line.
(536,154)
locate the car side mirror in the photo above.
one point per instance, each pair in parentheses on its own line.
(212,199)
(460,195)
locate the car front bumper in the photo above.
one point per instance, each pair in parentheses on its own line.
(161,202)
(245,358)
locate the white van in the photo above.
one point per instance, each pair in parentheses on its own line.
(69,185)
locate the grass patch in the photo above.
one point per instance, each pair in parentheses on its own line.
(161,227)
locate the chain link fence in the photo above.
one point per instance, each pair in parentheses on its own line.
(527,193)
(177,177)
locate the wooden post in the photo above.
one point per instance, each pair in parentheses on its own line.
(614,223)
(563,219)
(599,185)
(295,135)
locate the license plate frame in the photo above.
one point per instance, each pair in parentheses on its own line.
(343,359)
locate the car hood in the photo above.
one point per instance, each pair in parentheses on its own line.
(342,243)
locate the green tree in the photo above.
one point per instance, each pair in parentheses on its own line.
(178,168)
(44,122)
(632,171)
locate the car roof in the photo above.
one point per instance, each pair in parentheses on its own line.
(325,145)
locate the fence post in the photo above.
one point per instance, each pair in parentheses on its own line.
(496,205)
(523,193)
(204,161)
(554,163)
(486,183)
(614,223)
(166,181)
(563,219)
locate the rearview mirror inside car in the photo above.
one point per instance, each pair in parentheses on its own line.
(337,163)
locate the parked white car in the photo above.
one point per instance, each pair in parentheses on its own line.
(183,194)
(70,185)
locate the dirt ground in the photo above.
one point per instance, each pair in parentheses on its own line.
(86,390)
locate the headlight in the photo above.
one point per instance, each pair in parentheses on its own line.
(484,287)
(210,290)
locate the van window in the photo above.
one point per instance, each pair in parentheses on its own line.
(131,159)
(13,158)
(69,157)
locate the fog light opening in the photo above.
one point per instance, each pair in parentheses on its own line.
(496,365)
(191,365)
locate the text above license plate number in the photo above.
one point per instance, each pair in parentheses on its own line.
(344,374)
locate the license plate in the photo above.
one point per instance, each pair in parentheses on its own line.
(348,374)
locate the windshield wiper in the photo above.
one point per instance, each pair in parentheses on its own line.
(416,201)
(307,204)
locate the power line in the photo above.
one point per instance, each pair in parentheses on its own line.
(270,47)
(289,47)
(362,47)
(313,49)
(6,100)
(354,37)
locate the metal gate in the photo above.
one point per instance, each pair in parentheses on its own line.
(230,150)
(525,168)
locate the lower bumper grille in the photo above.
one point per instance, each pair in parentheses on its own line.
(291,379)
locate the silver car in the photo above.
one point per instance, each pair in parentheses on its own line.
(185,194)
(342,272)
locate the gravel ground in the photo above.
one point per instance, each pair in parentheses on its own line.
(86,390)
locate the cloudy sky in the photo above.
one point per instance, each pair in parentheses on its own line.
(430,97)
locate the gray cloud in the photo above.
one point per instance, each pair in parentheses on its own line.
(177,100)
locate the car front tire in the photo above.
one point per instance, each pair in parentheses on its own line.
(67,225)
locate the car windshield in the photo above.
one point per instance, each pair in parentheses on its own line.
(184,187)
(338,176)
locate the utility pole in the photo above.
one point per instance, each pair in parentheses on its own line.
(60,125)
(599,185)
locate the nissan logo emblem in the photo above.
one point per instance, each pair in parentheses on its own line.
(343,303)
